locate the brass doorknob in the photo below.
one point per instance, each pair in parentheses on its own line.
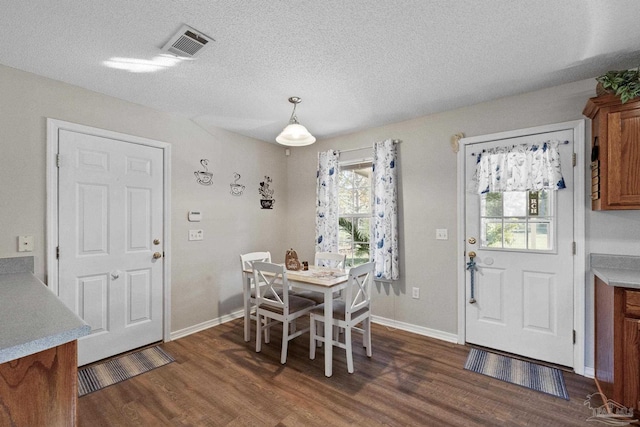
(157,255)
(472,254)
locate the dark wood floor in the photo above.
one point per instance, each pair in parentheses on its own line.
(219,380)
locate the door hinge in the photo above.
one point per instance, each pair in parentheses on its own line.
(574,159)
(58,160)
(573,248)
(57,252)
(574,336)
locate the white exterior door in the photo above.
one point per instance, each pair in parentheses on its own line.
(523,285)
(110,224)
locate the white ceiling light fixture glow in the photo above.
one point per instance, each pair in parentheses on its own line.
(295,135)
(136,65)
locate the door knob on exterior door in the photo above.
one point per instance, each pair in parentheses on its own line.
(157,255)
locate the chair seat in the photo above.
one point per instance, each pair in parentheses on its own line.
(318,297)
(253,293)
(295,304)
(339,308)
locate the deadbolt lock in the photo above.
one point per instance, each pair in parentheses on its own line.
(156,241)
(157,255)
(472,240)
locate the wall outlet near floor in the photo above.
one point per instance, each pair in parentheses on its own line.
(196,235)
(442,234)
(415,293)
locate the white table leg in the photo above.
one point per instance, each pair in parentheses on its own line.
(328,332)
(247,307)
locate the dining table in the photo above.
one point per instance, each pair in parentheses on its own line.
(324,280)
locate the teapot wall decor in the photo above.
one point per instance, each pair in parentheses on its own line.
(266,200)
(204,177)
(236,189)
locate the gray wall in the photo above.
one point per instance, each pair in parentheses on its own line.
(427,188)
(205,275)
(206,280)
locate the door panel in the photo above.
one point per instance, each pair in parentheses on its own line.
(139,291)
(539,302)
(490,295)
(93,294)
(523,286)
(110,211)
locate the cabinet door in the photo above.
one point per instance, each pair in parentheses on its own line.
(624,158)
(631,365)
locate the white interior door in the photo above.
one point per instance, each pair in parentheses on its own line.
(110,224)
(523,285)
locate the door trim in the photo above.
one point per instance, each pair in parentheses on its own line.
(579,265)
(54,127)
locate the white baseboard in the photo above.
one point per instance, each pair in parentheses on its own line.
(206,325)
(589,372)
(427,332)
(420,330)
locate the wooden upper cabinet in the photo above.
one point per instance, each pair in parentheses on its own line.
(615,145)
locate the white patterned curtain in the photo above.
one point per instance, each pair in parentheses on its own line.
(327,202)
(526,167)
(385,211)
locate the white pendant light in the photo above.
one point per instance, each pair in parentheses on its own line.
(295,135)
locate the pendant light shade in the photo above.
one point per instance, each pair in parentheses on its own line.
(295,135)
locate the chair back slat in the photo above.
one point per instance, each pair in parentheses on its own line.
(247,259)
(329,259)
(358,292)
(274,285)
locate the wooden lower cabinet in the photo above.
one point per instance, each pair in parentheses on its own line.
(40,389)
(631,362)
(617,344)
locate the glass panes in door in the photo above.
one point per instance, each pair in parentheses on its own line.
(518,220)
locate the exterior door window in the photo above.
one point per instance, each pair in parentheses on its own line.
(518,220)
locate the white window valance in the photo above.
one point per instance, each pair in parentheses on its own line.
(525,167)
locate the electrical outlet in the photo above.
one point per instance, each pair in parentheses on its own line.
(415,293)
(441,234)
(196,235)
(25,243)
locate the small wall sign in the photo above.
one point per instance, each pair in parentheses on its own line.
(534,200)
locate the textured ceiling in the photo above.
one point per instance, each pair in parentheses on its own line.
(355,64)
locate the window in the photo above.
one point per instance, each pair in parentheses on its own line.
(518,220)
(354,212)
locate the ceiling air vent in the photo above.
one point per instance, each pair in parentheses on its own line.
(187,42)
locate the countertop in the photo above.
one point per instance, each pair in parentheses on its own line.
(617,270)
(32,318)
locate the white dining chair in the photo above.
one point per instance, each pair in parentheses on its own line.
(248,288)
(324,259)
(329,259)
(275,305)
(347,314)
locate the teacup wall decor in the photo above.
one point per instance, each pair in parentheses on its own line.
(236,189)
(266,201)
(204,177)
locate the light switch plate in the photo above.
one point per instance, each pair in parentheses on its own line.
(442,234)
(196,235)
(25,243)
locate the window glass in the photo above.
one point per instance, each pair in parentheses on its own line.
(355,209)
(519,220)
